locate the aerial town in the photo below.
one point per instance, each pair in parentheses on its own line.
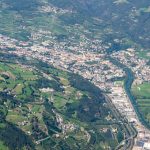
(95,67)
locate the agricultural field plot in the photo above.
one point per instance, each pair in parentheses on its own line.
(142,91)
(144,54)
(142,95)
(17,80)
(2,146)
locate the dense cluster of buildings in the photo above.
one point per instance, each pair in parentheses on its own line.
(138,65)
(47,8)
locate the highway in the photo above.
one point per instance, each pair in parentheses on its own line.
(130,132)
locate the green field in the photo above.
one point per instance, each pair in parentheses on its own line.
(142,91)
(142,95)
(144,54)
(2,146)
(120,83)
(17,78)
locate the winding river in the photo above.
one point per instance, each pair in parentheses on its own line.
(129,78)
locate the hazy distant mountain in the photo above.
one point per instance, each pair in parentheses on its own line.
(128,20)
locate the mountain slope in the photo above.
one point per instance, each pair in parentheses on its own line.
(46,108)
(112,19)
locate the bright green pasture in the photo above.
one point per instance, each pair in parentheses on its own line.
(142,90)
(142,95)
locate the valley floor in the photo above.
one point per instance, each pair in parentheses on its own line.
(101,71)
